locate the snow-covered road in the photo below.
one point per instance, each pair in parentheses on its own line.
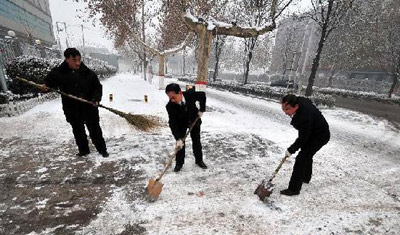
(355,188)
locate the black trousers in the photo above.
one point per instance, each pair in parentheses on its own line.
(95,133)
(196,144)
(302,169)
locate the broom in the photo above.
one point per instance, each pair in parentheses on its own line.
(144,123)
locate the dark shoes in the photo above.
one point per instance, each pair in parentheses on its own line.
(104,154)
(289,192)
(201,165)
(177,168)
(82,154)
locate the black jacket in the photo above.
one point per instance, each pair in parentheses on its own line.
(312,126)
(181,116)
(83,83)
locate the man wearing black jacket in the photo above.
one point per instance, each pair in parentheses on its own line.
(182,112)
(313,134)
(73,77)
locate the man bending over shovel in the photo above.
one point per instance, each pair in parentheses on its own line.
(313,134)
(182,112)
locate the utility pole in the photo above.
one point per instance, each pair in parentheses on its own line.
(58,37)
(309,44)
(184,61)
(144,41)
(66,34)
(58,33)
(3,83)
(83,44)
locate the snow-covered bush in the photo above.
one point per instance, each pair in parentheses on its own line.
(264,90)
(361,95)
(35,69)
(100,67)
(31,68)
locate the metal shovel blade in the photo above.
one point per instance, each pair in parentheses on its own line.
(153,190)
(263,191)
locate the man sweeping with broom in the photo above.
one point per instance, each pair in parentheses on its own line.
(73,77)
(182,112)
(313,134)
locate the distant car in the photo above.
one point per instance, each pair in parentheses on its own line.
(285,83)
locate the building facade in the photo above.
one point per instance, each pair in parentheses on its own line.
(29,19)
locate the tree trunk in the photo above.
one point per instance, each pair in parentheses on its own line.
(218,49)
(317,57)
(395,83)
(250,46)
(205,38)
(144,41)
(216,67)
(161,62)
(184,62)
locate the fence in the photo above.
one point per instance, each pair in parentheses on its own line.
(17,108)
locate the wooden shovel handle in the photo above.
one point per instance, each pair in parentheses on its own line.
(278,168)
(173,154)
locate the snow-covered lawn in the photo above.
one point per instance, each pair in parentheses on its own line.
(355,188)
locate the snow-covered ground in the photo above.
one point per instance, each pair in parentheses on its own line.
(355,188)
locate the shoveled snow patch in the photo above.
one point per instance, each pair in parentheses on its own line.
(115,215)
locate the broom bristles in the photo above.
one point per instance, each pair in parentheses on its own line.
(142,122)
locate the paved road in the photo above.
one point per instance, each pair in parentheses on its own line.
(391,112)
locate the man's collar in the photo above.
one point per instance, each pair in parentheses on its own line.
(183,100)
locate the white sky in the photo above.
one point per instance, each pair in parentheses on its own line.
(70,12)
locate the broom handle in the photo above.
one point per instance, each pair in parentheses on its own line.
(176,150)
(63,93)
(278,168)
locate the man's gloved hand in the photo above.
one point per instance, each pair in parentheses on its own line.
(287,153)
(200,114)
(43,88)
(179,144)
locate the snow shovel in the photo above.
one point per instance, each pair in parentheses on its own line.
(140,121)
(265,188)
(154,186)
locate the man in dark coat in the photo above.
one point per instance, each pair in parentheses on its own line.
(73,77)
(313,134)
(182,112)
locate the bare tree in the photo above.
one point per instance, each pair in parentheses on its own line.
(328,14)
(262,54)
(368,39)
(206,30)
(388,32)
(124,20)
(218,45)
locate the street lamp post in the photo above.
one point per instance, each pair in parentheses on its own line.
(2,75)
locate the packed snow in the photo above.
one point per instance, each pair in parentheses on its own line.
(355,188)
